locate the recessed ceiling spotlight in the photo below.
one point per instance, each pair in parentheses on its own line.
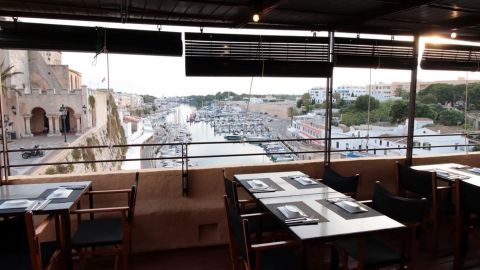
(256,17)
(453,35)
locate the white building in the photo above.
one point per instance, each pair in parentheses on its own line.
(319,94)
(355,138)
(350,93)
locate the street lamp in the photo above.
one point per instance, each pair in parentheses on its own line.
(63,113)
(84,108)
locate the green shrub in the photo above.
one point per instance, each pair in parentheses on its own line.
(76,154)
(50,171)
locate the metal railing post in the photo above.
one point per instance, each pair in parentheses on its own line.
(3,180)
(184,169)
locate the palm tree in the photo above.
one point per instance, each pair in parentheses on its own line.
(7,74)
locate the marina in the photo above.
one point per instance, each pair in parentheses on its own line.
(184,124)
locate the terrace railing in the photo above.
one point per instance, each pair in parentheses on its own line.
(186,157)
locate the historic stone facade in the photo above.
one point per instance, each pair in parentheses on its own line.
(46,84)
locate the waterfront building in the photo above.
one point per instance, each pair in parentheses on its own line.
(357,137)
(128,100)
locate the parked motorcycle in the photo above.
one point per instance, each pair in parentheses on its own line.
(33,153)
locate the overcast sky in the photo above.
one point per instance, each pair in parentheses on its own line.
(165,76)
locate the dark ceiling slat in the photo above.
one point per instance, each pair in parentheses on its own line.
(389,17)
(262,8)
(454,8)
(382,12)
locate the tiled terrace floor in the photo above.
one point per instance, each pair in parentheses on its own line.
(217,258)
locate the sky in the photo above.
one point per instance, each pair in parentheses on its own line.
(165,76)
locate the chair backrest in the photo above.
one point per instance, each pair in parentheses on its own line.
(235,227)
(401,209)
(14,243)
(132,201)
(344,184)
(467,197)
(422,183)
(230,190)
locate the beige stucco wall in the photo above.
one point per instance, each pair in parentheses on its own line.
(164,219)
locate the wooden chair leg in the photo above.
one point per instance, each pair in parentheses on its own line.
(81,256)
(124,260)
(435,236)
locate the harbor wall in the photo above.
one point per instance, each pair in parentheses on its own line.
(164,219)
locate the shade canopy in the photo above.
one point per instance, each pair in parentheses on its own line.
(16,35)
(366,16)
(451,57)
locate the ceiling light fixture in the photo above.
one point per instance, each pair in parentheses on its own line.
(256,17)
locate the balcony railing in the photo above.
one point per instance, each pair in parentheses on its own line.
(185,157)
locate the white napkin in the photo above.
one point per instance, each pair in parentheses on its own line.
(291,211)
(59,193)
(257,184)
(475,170)
(12,204)
(351,207)
(305,181)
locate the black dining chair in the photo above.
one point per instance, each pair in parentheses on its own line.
(467,206)
(344,184)
(378,253)
(106,235)
(276,255)
(424,184)
(21,247)
(242,205)
(264,223)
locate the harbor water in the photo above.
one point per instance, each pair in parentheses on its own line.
(204,132)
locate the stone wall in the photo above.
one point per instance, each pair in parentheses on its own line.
(110,133)
(42,76)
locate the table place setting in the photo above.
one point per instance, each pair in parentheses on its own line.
(304,180)
(16,204)
(60,193)
(450,176)
(294,216)
(73,187)
(348,204)
(259,186)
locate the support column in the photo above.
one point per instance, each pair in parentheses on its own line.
(58,124)
(28,128)
(328,102)
(79,124)
(50,125)
(411,103)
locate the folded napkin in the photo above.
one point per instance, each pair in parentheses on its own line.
(60,193)
(351,207)
(475,170)
(13,204)
(291,212)
(304,180)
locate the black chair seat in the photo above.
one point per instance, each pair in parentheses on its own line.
(377,252)
(48,249)
(15,261)
(98,232)
(446,208)
(267,224)
(279,259)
